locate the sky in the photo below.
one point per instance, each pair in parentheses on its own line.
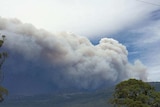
(79,44)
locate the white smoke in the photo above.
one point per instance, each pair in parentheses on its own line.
(75,58)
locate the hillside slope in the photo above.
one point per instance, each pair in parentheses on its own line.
(97,98)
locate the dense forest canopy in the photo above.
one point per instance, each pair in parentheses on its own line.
(135,93)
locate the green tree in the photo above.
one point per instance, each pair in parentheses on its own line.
(3,56)
(135,93)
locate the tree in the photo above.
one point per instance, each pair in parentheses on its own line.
(135,93)
(3,56)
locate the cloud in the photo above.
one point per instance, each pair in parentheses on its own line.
(150,41)
(143,43)
(88,18)
(72,61)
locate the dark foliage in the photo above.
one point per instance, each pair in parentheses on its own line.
(135,93)
(3,56)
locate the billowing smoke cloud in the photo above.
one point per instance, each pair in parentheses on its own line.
(74,60)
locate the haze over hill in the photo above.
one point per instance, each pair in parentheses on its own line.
(98,98)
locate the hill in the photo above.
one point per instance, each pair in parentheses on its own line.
(97,98)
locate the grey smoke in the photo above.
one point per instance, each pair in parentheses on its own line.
(75,60)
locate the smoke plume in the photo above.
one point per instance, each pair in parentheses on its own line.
(72,60)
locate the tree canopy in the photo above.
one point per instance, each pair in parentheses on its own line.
(3,56)
(135,93)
